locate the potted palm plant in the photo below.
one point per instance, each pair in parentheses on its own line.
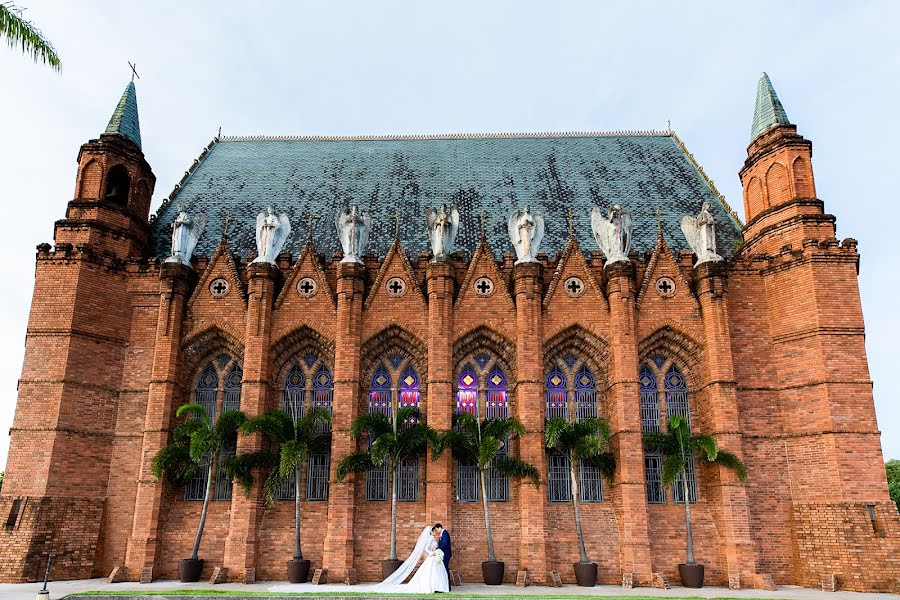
(585,441)
(197,442)
(476,441)
(289,440)
(677,447)
(393,439)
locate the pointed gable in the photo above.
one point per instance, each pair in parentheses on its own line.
(395,297)
(306,298)
(768,111)
(219,298)
(484,297)
(574,296)
(665,295)
(124,120)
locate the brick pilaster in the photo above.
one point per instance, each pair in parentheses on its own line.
(176,282)
(439,473)
(720,409)
(529,403)
(338,555)
(625,422)
(241,544)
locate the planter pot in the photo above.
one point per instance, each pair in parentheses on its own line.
(691,575)
(388,567)
(586,574)
(492,572)
(298,571)
(189,569)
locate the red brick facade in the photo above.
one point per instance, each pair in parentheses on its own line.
(770,343)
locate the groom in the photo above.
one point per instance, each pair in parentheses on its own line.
(445,547)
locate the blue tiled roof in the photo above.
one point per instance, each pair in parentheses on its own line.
(768,111)
(124,120)
(494,173)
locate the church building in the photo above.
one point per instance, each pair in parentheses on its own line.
(752,331)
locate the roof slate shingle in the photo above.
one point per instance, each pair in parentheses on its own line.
(124,120)
(497,174)
(769,110)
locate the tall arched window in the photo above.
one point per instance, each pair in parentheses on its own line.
(118,185)
(571,390)
(308,383)
(217,388)
(662,382)
(394,385)
(481,390)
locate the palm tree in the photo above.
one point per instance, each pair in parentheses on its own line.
(19,32)
(291,439)
(584,441)
(392,440)
(677,447)
(474,441)
(197,442)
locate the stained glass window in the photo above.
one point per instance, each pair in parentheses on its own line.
(323,393)
(557,395)
(294,393)
(467,392)
(585,394)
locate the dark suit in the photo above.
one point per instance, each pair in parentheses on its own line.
(445,547)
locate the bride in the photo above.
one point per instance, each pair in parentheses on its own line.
(431,576)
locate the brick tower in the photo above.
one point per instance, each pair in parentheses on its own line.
(66,416)
(829,442)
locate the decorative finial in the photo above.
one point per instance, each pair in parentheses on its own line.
(570,216)
(219,137)
(310,219)
(133,70)
(658,221)
(398,216)
(225,226)
(482,216)
(669,125)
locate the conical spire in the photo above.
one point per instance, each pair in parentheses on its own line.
(769,111)
(124,120)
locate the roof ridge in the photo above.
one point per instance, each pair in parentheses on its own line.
(709,182)
(187,175)
(445,136)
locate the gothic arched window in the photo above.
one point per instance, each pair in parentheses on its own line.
(571,382)
(394,385)
(481,390)
(118,184)
(217,388)
(308,383)
(661,381)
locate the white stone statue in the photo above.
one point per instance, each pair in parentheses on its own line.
(700,233)
(186,232)
(353,227)
(613,234)
(526,230)
(442,227)
(271,232)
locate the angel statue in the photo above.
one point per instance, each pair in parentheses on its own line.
(613,234)
(353,227)
(526,230)
(271,232)
(442,227)
(700,233)
(186,232)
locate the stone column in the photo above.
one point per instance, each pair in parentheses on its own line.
(720,411)
(243,531)
(625,422)
(338,555)
(175,285)
(529,401)
(439,473)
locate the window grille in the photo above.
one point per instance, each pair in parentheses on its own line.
(677,405)
(233,389)
(590,488)
(205,392)
(559,482)
(286,489)
(323,394)
(497,407)
(649,404)
(379,402)
(377,484)
(466,483)
(408,480)
(195,488)
(467,392)
(294,394)
(317,476)
(223,481)
(678,488)
(585,395)
(653,467)
(557,396)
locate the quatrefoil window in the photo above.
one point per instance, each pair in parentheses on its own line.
(484,286)
(396,286)
(219,287)
(574,286)
(665,286)
(307,287)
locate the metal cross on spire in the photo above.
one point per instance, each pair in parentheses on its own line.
(134,72)
(310,219)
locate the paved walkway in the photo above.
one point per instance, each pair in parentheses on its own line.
(60,589)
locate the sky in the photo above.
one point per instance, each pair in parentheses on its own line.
(336,68)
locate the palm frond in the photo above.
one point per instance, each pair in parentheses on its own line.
(21,33)
(408,414)
(663,443)
(673,467)
(731,461)
(487,450)
(192,409)
(226,428)
(173,462)
(274,425)
(706,444)
(383,449)
(309,426)
(554,430)
(595,427)
(240,468)
(202,443)
(518,469)
(271,487)
(358,462)
(463,446)
(464,421)
(374,424)
(502,428)
(293,453)
(413,439)
(605,462)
